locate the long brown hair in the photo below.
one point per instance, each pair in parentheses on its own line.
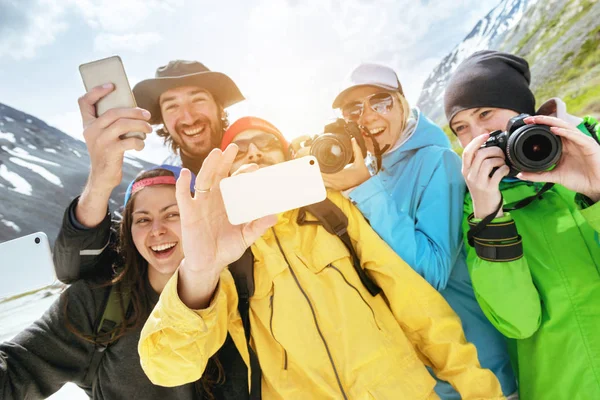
(131,274)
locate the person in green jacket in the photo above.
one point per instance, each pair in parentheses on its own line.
(536,268)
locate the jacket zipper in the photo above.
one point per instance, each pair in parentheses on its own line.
(285,357)
(337,376)
(357,291)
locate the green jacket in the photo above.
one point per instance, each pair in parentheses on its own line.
(548,301)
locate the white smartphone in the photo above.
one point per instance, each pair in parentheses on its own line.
(110,70)
(273,189)
(26,265)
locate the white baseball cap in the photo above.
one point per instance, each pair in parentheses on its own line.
(369,75)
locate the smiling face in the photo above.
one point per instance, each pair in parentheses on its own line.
(468,124)
(156,231)
(256,146)
(193,119)
(385,127)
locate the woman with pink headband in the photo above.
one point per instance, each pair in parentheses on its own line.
(58,347)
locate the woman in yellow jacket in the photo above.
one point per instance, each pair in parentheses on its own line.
(316,330)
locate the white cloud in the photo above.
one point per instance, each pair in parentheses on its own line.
(287,57)
(120,16)
(26,26)
(69,123)
(292,56)
(135,42)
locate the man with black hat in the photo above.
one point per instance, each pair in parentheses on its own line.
(538,284)
(189,100)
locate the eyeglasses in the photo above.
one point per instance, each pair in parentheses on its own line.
(265,142)
(381,103)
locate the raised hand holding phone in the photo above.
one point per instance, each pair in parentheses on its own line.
(105,71)
(210,241)
(106,138)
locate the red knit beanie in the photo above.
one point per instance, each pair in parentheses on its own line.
(246,123)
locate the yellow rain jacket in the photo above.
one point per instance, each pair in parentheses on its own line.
(316,330)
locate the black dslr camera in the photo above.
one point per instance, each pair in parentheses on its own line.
(528,148)
(333,148)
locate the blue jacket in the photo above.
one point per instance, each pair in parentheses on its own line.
(415,203)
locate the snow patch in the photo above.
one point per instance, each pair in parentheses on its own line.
(76,153)
(50,151)
(11,224)
(23,154)
(9,119)
(8,136)
(29,120)
(32,147)
(20,185)
(43,172)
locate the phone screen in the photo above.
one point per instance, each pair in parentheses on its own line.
(272,190)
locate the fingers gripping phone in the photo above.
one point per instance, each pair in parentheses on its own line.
(272,190)
(110,70)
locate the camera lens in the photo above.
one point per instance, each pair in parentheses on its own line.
(332,151)
(37,240)
(537,147)
(533,148)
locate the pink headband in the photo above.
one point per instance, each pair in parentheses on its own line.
(157,180)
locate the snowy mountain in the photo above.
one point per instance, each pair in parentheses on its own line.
(559,38)
(487,34)
(41,170)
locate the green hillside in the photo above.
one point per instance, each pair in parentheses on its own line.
(561,41)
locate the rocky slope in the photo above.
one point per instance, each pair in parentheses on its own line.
(41,170)
(559,38)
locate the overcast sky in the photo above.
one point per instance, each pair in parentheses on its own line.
(287,56)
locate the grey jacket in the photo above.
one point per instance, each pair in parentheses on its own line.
(46,355)
(81,253)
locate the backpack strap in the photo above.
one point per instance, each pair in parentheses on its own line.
(111,317)
(336,223)
(242,271)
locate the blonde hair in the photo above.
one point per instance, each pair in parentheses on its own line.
(405,108)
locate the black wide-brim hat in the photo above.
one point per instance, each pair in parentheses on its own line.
(184,73)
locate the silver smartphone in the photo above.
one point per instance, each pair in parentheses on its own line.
(110,70)
(26,265)
(272,190)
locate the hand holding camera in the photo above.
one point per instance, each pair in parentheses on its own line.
(333,148)
(579,166)
(483,168)
(489,158)
(527,147)
(352,175)
(340,151)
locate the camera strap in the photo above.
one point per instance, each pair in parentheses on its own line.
(528,200)
(378,152)
(500,241)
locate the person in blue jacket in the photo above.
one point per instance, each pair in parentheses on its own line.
(412,194)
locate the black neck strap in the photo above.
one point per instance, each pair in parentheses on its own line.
(528,200)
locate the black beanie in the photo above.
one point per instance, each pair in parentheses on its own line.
(490,79)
